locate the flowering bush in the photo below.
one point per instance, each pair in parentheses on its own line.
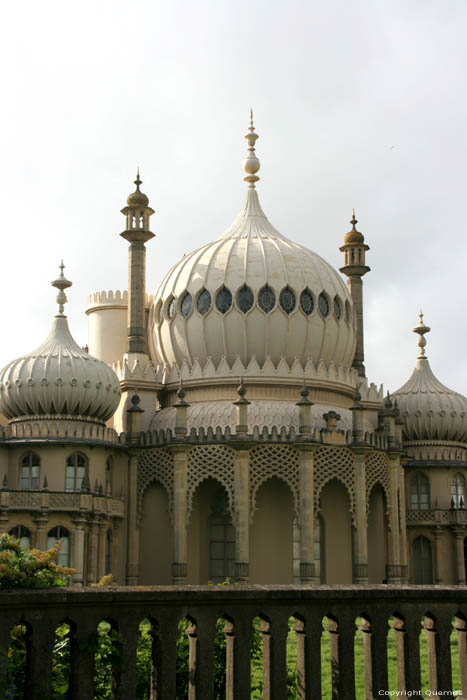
(30,568)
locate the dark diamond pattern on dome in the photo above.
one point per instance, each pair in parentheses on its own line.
(266,299)
(306,302)
(186,305)
(337,308)
(287,300)
(323,305)
(245,299)
(204,302)
(171,308)
(223,300)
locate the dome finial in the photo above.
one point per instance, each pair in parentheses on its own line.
(251,164)
(61,283)
(138,180)
(421,329)
(353,220)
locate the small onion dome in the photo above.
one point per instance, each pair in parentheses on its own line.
(354,236)
(431,410)
(137,198)
(59,378)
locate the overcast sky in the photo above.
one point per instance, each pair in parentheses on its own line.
(357,103)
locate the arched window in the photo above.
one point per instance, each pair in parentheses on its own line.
(108,552)
(30,472)
(221,540)
(60,534)
(22,534)
(422,561)
(458,491)
(108,475)
(419,492)
(76,466)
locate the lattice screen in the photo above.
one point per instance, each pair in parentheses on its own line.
(274,460)
(377,472)
(155,465)
(330,463)
(215,461)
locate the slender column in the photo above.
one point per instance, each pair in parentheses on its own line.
(360,563)
(77,554)
(403,529)
(179,566)
(307,515)
(40,535)
(92,551)
(437,534)
(101,549)
(459,534)
(393,570)
(242,515)
(132,573)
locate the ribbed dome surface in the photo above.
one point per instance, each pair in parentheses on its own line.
(431,410)
(59,378)
(252,293)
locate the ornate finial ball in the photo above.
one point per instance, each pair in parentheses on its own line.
(357,396)
(304,393)
(388,402)
(181,391)
(251,165)
(135,400)
(241,391)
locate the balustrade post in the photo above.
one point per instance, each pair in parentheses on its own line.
(342,635)
(274,635)
(179,566)
(461,627)
(242,515)
(238,659)
(443,655)
(39,648)
(411,652)
(126,678)
(82,644)
(164,657)
(201,655)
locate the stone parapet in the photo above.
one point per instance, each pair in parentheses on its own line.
(49,501)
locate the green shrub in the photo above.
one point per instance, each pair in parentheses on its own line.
(30,568)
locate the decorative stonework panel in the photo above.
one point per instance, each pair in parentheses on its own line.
(280,461)
(377,472)
(211,461)
(334,463)
(155,465)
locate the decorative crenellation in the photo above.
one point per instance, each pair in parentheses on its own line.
(68,428)
(274,461)
(436,450)
(113,298)
(283,371)
(214,461)
(138,371)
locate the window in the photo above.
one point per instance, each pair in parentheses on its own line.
(204,302)
(221,540)
(223,300)
(108,475)
(337,308)
(108,552)
(458,491)
(422,561)
(266,299)
(171,308)
(60,534)
(30,472)
(323,305)
(245,299)
(22,534)
(419,492)
(306,302)
(186,305)
(287,300)
(76,466)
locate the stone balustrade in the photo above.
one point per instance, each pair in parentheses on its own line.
(81,502)
(442,610)
(437,516)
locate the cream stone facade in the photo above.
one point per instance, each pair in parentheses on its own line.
(224,426)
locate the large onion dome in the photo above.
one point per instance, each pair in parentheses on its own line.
(59,378)
(252,293)
(431,411)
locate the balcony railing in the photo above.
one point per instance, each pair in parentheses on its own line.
(377,608)
(437,516)
(62,501)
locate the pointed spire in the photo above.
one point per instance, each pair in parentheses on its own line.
(61,283)
(421,329)
(251,164)
(138,180)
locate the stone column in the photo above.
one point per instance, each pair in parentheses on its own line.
(459,534)
(307,515)
(103,526)
(437,534)
(360,554)
(393,568)
(132,570)
(92,551)
(136,296)
(179,565)
(242,514)
(40,535)
(403,529)
(77,553)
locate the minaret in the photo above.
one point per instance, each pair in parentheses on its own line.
(354,250)
(138,213)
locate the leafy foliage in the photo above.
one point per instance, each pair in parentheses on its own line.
(30,568)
